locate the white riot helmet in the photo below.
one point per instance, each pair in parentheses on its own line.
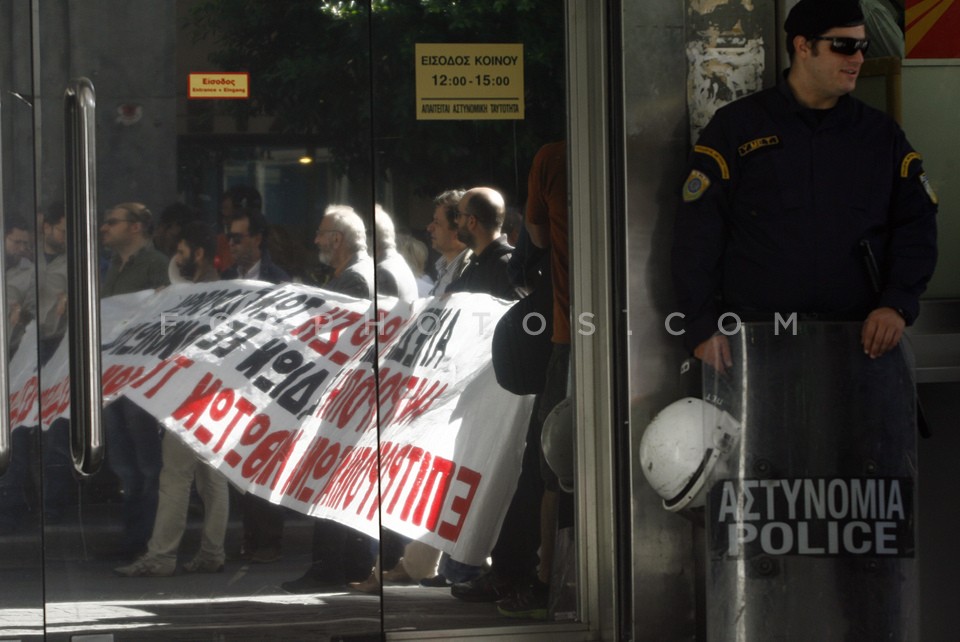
(680,448)
(556,439)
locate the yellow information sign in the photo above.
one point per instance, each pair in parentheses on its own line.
(469,81)
(219,85)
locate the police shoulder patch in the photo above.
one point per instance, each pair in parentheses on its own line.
(716,156)
(905,163)
(928,188)
(695,186)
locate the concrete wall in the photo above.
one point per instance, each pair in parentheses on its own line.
(656,128)
(931,93)
(680,60)
(112,43)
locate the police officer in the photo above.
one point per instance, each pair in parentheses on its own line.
(803,199)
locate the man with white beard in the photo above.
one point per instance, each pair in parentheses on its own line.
(342,243)
(339,553)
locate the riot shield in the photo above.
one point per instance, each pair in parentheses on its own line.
(811,511)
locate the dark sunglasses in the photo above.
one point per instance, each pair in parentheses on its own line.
(236,237)
(845,46)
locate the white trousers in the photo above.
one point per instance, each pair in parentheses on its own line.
(180,466)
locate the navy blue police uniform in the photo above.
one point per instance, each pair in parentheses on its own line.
(779,204)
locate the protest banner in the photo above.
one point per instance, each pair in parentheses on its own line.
(137,318)
(450,439)
(335,407)
(304,397)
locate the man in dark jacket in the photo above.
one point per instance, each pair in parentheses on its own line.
(802,199)
(262,521)
(479,219)
(135,264)
(133,435)
(248,247)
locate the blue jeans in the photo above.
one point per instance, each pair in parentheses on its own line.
(134,455)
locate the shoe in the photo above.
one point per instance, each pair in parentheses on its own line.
(203,565)
(266,555)
(146,567)
(531,602)
(312,584)
(437,581)
(486,588)
(369,585)
(397,575)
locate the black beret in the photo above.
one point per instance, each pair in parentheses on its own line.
(812,18)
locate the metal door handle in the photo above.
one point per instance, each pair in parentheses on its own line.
(4,356)
(83,334)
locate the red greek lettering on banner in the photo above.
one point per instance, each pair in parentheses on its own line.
(461,504)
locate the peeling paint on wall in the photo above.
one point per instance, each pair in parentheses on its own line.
(725,54)
(718,76)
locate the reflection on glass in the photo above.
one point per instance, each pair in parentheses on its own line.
(464,182)
(21,587)
(18,492)
(195,194)
(170,514)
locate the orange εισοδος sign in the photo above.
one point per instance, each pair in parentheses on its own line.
(207,85)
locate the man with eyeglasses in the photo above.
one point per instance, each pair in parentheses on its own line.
(133,435)
(803,199)
(480,215)
(233,200)
(247,237)
(135,263)
(248,247)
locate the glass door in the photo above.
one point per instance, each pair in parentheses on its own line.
(264,407)
(171,140)
(465,95)
(21,486)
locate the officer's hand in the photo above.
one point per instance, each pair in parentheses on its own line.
(881,331)
(715,352)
